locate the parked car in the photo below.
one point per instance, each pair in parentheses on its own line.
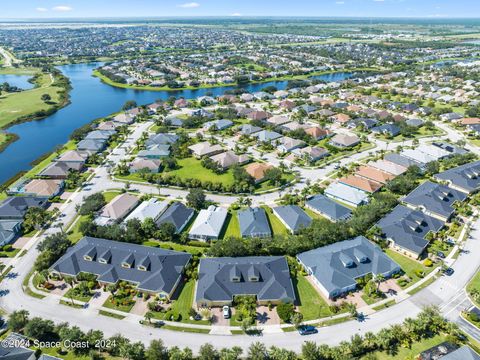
(440,254)
(307,330)
(448,271)
(226,312)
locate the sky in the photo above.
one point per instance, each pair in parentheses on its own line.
(225,8)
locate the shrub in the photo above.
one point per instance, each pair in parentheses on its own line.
(427,263)
(285,311)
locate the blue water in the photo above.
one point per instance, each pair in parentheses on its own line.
(20,81)
(91,99)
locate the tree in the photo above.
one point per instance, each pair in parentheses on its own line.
(156,351)
(257,351)
(17,320)
(196,198)
(135,351)
(35,219)
(46,98)
(129,104)
(38,328)
(208,352)
(310,351)
(296,319)
(285,311)
(166,232)
(92,204)
(149,316)
(274,176)
(232,353)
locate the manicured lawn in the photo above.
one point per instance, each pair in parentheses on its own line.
(266,185)
(313,214)
(473,285)
(74,235)
(232,225)
(277,227)
(9,254)
(191,168)
(312,305)
(184,302)
(71,294)
(110,195)
(177,247)
(409,266)
(416,348)
(24,103)
(125,308)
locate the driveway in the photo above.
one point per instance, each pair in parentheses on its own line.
(218,319)
(266,316)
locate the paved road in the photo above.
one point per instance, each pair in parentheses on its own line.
(447,292)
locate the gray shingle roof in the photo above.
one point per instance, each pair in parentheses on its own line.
(161,139)
(220,279)
(15,207)
(253,222)
(402,160)
(465,176)
(464,353)
(328,207)
(177,214)
(293,216)
(337,266)
(163,267)
(435,198)
(408,228)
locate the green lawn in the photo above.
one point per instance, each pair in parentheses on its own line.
(177,247)
(125,308)
(473,285)
(70,294)
(277,227)
(232,225)
(408,265)
(312,305)
(110,195)
(191,168)
(28,102)
(416,348)
(184,302)
(74,234)
(266,185)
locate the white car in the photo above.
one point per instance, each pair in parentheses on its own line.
(226,312)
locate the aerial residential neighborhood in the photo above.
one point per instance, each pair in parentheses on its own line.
(209,180)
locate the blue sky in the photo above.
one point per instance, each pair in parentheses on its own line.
(161,8)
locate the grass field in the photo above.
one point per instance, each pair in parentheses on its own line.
(191,168)
(409,266)
(473,285)
(312,305)
(232,226)
(277,227)
(16,105)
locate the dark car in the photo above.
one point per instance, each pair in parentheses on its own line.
(307,330)
(440,254)
(448,271)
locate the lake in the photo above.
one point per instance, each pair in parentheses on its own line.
(92,99)
(20,81)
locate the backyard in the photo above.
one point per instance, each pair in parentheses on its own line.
(311,304)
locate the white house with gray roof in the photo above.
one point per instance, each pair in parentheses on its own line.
(265,277)
(464,178)
(152,208)
(346,194)
(328,208)
(335,268)
(209,224)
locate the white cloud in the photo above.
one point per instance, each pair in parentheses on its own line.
(236,14)
(379,0)
(190,5)
(62,8)
(41,9)
(340,2)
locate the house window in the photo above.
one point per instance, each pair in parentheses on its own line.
(126,265)
(87,258)
(253,278)
(235,279)
(103,261)
(142,268)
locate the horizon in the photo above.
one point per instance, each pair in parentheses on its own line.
(71,9)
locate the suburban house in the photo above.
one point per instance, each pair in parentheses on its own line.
(152,165)
(15,208)
(317,133)
(293,217)
(205,149)
(328,208)
(388,167)
(287,144)
(434,199)
(117,209)
(373,174)
(157,151)
(218,124)
(209,224)
(257,170)
(267,136)
(464,178)
(59,170)
(229,158)
(9,230)
(265,277)
(152,209)
(73,156)
(387,129)
(92,146)
(43,187)
(344,140)
(154,271)
(403,161)
(253,222)
(360,183)
(178,215)
(162,139)
(9,350)
(247,129)
(347,194)
(311,153)
(335,268)
(405,230)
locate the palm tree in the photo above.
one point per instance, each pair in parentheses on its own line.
(379,278)
(149,316)
(71,282)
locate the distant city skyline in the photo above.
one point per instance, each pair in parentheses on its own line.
(221,8)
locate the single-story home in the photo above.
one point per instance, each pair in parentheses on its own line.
(178,215)
(257,170)
(117,209)
(293,217)
(465,178)
(253,222)
(152,208)
(154,271)
(347,194)
(335,268)
(265,277)
(209,224)
(229,158)
(205,149)
(328,208)
(344,140)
